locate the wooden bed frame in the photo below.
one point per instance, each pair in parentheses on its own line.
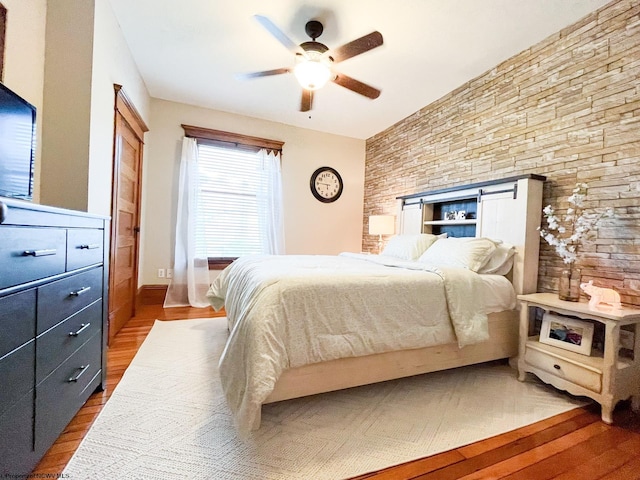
(508,209)
(355,371)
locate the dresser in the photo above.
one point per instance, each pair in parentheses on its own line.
(53,313)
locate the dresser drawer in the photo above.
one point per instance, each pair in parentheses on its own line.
(58,343)
(84,247)
(64,391)
(17,320)
(58,300)
(17,457)
(28,254)
(564,369)
(16,374)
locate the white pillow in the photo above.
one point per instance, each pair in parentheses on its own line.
(462,252)
(501,260)
(409,246)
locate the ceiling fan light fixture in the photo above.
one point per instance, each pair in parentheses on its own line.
(314,61)
(312,73)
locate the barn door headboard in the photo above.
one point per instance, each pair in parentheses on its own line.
(509,209)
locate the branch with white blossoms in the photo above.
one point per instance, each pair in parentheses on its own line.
(571,230)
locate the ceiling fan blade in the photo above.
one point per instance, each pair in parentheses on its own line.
(266,73)
(356,86)
(279,35)
(356,47)
(306,101)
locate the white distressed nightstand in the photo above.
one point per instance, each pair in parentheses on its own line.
(606,378)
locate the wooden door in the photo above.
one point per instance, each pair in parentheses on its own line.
(125,212)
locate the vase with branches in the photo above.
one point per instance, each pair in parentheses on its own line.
(567,233)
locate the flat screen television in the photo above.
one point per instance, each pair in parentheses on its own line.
(17,145)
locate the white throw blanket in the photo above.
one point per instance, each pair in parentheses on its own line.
(293,310)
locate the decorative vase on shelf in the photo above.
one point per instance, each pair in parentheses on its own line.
(569,285)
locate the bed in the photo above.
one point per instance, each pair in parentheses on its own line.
(306,324)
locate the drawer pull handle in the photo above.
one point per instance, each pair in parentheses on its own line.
(83,369)
(556,366)
(79,292)
(39,253)
(83,327)
(89,246)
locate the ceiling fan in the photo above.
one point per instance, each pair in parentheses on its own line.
(314,61)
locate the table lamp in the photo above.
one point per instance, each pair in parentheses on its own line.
(381,225)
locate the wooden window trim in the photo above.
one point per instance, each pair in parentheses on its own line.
(217,137)
(218,263)
(3,30)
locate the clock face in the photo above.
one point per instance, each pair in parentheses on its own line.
(326,184)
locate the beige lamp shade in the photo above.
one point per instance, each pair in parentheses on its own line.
(382,224)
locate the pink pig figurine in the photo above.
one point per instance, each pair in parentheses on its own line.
(600,295)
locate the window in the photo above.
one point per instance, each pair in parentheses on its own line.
(239,190)
(227,218)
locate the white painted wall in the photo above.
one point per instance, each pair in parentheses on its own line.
(311,227)
(112,64)
(24,60)
(85,55)
(67,104)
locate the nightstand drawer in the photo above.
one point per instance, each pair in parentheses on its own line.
(564,369)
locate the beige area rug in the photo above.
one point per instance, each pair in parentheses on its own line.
(168,419)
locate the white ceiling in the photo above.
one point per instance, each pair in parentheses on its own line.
(189,51)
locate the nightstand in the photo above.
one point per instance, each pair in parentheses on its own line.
(606,377)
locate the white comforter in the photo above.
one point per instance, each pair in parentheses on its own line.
(293,310)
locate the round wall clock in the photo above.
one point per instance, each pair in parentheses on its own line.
(326,184)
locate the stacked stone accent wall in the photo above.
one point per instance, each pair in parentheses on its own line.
(567,108)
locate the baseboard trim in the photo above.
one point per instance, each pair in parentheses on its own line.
(151,294)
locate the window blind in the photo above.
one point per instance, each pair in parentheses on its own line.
(227,220)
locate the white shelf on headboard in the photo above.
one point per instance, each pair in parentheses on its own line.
(508,209)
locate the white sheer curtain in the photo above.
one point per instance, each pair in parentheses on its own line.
(190,274)
(270,211)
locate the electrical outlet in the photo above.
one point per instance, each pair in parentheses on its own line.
(169,272)
(161,273)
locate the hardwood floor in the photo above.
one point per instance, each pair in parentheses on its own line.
(573,445)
